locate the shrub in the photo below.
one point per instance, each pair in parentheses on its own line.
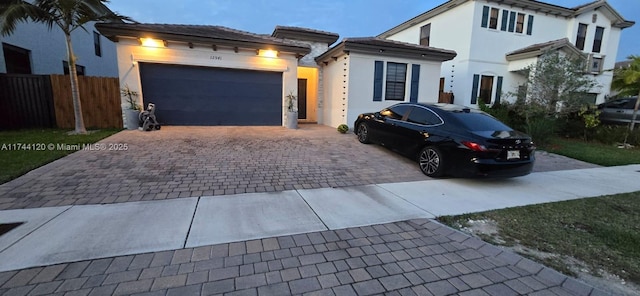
(541,130)
(612,134)
(505,113)
(571,127)
(343,128)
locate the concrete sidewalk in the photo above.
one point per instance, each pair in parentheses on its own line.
(74,233)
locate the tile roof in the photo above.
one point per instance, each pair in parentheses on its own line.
(538,48)
(385,47)
(307,30)
(538,6)
(304,34)
(198,33)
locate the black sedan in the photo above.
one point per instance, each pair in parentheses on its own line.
(449,139)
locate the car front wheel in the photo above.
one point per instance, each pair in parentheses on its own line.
(431,162)
(363,133)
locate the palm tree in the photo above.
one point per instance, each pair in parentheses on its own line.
(627,81)
(68,15)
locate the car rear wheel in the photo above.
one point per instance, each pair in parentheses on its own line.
(431,162)
(363,133)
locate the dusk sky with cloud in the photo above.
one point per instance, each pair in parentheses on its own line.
(349,18)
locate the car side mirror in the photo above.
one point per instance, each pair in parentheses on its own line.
(377,115)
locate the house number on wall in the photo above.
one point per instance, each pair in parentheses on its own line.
(215,57)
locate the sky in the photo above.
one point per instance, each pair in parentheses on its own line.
(349,18)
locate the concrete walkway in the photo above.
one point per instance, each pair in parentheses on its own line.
(73,233)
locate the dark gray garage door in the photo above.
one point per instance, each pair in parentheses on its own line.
(188,95)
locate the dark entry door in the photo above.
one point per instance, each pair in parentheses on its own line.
(302,99)
(190,95)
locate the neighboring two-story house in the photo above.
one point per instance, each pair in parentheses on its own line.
(496,39)
(34,49)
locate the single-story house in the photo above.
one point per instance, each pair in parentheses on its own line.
(213,75)
(369,74)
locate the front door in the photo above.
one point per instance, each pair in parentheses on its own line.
(302,99)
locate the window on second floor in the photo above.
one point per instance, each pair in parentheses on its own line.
(505,20)
(512,21)
(530,25)
(520,23)
(425,34)
(79,68)
(396,81)
(489,17)
(582,35)
(96,44)
(18,60)
(597,41)
(595,65)
(493,20)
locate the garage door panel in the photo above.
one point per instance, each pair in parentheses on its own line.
(189,95)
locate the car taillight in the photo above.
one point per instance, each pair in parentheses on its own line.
(474,146)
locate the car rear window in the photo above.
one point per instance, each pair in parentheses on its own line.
(476,121)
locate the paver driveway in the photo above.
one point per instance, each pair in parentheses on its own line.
(195,161)
(203,161)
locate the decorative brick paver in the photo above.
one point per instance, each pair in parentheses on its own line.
(285,269)
(179,162)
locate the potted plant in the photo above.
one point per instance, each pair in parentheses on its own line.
(343,128)
(291,121)
(132,108)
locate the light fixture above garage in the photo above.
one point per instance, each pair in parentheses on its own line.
(267,53)
(150,42)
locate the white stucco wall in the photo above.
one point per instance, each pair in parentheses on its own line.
(448,31)
(358,89)
(334,92)
(482,50)
(130,53)
(49,49)
(608,51)
(490,47)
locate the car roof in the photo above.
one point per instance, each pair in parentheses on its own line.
(444,107)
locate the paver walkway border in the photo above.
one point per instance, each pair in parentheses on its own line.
(416,257)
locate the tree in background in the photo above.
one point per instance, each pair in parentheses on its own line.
(68,15)
(556,88)
(627,81)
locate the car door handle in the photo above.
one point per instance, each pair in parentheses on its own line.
(619,111)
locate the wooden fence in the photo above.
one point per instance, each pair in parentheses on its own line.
(44,101)
(99,98)
(26,101)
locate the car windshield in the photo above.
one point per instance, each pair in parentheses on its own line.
(476,121)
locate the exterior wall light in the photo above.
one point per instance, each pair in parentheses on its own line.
(267,53)
(150,42)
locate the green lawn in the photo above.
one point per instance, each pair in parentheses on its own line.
(593,152)
(604,232)
(25,150)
